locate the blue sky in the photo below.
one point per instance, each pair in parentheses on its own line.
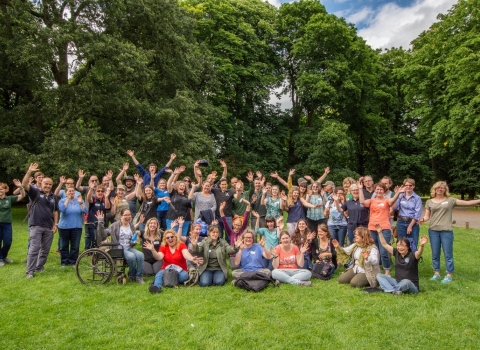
(387,23)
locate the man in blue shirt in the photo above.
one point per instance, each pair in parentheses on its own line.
(152,168)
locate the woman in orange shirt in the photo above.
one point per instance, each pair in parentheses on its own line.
(380,214)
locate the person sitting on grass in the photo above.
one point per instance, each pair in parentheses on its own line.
(250,255)
(172,252)
(286,261)
(122,232)
(152,235)
(365,257)
(406,266)
(214,269)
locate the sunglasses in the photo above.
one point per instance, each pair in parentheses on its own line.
(170,237)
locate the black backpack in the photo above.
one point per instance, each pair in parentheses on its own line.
(254,281)
(170,278)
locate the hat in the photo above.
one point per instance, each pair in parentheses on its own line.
(121,187)
(329,183)
(203,162)
(128,178)
(301,180)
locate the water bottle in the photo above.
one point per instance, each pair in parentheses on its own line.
(134,238)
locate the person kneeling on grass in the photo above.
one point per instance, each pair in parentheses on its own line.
(250,255)
(122,232)
(406,266)
(286,261)
(172,252)
(365,257)
(214,269)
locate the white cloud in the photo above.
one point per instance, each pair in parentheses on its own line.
(395,26)
(275,3)
(360,16)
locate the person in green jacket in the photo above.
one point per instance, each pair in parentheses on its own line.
(213,270)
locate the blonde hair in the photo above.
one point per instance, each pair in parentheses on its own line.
(164,240)
(157,232)
(437,185)
(410,181)
(290,201)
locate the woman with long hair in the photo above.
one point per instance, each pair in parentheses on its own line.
(337,222)
(315,216)
(300,236)
(322,247)
(438,210)
(153,235)
(179,204)
(365,257)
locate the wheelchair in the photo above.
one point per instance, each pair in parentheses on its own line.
(97,266)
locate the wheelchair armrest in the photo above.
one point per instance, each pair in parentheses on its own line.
(109,244)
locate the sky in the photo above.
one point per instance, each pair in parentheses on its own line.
(383,23)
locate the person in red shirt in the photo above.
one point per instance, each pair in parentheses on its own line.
(287,258)
(173,252)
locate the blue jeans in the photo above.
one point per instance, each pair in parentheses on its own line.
(307,262)
(5,239)
(162,219)
(442,239)
(389,284)
(158,282)
(402,230)
(222,229)
(135,262)
(185,227)
(69,244)
(338,232)
(387,234)
(350,236)
(207,278)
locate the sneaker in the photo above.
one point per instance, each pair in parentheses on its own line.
(29,275)
(2,263)
(40,270)
(397,292)
(7,261)
(140,280)
(447,279)
(435,278)
(63,266)
(277,283)
(305,283)
(154,290)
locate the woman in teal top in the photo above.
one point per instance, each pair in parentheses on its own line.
(315,215)
(271,233)
(273,203)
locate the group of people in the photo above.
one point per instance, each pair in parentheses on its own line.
(202,224)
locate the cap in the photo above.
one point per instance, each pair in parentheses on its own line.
(329,183)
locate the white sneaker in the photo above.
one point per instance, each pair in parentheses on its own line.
(2,263)
(7,261)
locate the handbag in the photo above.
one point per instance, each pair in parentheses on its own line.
(322,270)
(170,278)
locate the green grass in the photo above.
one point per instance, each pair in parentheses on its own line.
(55,311)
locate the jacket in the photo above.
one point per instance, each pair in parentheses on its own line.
(113,230)
(222,249)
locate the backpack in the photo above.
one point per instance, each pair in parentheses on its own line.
(170,278)
(253,281)
(322,271)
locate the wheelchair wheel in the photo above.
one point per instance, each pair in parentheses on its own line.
(94,266)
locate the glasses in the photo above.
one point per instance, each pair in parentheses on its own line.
(247,237)
(68,183)
(170,237)
(100,191)
(187,180)
(408,185)
(127,215)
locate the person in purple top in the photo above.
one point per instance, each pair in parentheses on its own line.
(239,225)
(409,206)
(152,169)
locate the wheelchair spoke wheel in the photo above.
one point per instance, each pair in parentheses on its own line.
(94,267)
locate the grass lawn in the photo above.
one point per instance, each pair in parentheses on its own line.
(55,311)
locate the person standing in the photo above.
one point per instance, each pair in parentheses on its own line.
(409,206)
(42,222)
(6,219)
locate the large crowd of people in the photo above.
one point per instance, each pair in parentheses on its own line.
(286,231)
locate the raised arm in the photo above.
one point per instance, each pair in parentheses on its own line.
(419,252)
(224,166)
(464,203)
(391,201)
(26,179)
(81,175)
(174,177)
(61,181)
(324,176)
(279,179)
(172,157)
(122,173)
(138,189)
(383,242)
(22,193)
(197,172)
(131,153)
(361,197)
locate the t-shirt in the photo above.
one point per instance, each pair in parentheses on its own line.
(163,206)
(271,237)
(41,213)
(180,206)
(336,218)
(6,208)
(226,197)
(379,214)
(203,202)
(174,258)
(147,253)
(125,236)
(357,214)
(441,214)
(252,259)
(287,261)
(98,204)
(315,213)
(406,267)
(295,212)
(149,208)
